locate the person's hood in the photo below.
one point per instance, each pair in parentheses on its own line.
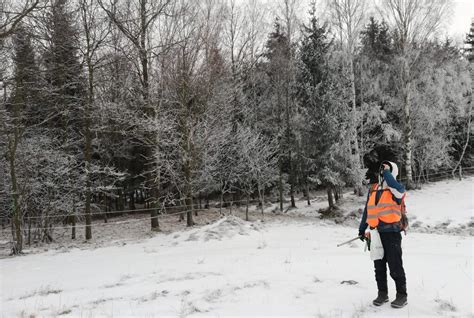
(393,171)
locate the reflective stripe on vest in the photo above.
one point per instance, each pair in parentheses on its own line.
(381,205)
(386,210)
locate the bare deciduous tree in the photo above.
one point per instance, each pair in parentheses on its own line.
(348,17)
(95,30)
(11,16)
(415,22)
(135,19)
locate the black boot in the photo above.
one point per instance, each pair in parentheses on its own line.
(400,301)
(381,299)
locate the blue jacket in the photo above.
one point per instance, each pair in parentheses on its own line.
(383,227)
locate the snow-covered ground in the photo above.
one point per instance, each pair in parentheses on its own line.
(450,203)
(285,266)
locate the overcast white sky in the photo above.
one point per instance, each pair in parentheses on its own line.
(463,12)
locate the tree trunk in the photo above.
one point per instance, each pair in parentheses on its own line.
(259,190)
(155,226)
(47,234)
(88,135)
(183,208)
(260,197)
(73,232)
(222,199)
(407,128)
(355,153)
(151,179)
(288,73)
(280,185)
(308,200)
(122,200)
(107,208)
(88,204)
(189,219)
(11,157)
(16,223)
(468,134)
(330,197)
(247,208)
(290,162)
(29,231)
(292,181)
(132,201)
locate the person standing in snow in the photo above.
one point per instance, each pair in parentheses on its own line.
(383,211)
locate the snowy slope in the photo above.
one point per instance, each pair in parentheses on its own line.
(442,207)
(450,202)
(285,267)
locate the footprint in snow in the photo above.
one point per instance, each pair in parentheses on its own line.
(445,305)
(349,282)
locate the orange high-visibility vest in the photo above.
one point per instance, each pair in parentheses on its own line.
(386,210)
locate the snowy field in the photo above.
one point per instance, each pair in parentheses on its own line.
(285,266)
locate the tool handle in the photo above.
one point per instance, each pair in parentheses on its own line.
(347,242)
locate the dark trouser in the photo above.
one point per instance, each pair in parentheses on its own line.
(392,245)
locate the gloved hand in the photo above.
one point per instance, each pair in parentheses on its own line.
(362,236)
